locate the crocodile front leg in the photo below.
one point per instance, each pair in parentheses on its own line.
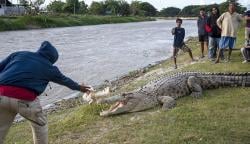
(194,86)
(167,101)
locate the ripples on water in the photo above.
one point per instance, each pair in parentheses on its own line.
(92,54)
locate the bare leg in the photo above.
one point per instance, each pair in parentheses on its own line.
(205,47)
(202,49)
(175,56)
(218,57)
(190,54)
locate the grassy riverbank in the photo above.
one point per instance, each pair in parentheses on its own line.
(220,116)
(43,21)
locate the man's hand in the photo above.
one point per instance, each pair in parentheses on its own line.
(86,89)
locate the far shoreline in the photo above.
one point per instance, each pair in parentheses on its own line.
(174,18)
(13,23)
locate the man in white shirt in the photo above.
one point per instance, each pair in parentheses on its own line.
(229,23)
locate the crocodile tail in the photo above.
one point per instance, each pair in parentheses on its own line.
(235,79)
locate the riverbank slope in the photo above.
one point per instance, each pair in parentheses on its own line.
(43,21)
(220,116)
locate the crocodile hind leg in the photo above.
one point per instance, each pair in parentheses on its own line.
(168,102)
(194,86)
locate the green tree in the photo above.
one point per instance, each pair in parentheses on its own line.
(170,12)
(56,6)
(135,8)
(35,5)
(148,9)
(191,10)
(97,8)
(124,8)
(83,9)
(224,6)
(25,4)
(71,6)
(111,7)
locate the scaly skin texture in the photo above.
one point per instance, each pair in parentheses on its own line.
(166,90)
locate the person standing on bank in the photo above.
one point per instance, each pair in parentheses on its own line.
(203,35)
(179,35)
(247,18)
(229,23)
(246,50)
(23,77)
(214,33)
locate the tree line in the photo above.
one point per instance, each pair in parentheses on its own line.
(193,10)
(107,7)
(123,8)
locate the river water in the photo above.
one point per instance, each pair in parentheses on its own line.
(92,54)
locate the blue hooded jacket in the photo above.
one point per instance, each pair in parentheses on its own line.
(34,70)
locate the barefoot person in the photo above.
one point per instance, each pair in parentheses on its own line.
(23,77)
(229,23)
(214,33)
(245,51)
(247,18)
(179,35)
(203,35)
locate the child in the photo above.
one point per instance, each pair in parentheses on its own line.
(179,34)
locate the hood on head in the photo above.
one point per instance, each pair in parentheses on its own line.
(48,51)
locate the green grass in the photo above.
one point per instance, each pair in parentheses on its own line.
(43,21)
(221,116)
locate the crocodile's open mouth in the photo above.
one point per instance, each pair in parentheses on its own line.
(113,109)
(125,102)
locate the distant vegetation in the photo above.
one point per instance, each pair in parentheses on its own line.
(43,21)
(193,10)
(77,13)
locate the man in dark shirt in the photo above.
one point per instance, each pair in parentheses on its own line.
(214,33)
(203,35)
(179,35)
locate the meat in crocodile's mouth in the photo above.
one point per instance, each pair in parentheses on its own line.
(116,106)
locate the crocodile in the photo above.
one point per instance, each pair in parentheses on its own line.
(165,90)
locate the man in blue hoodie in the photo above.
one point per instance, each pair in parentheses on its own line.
(23,77)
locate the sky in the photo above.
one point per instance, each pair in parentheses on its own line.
(159,4)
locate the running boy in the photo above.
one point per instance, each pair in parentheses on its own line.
(179,35)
